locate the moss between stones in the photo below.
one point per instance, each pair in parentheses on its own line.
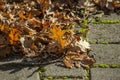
(86,78)
(92,42)
(61,78)
(106,22)
(106,66)
(42,70)
(50,77)
(100,42)
(115,66)
(104,43)
(88,74)
(82,31)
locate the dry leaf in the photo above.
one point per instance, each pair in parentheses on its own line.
(21,16)
(4,28)
(27,17)
(58,34)
(68,62)
(83,45)
(14,36)
(4,50)
(116,4)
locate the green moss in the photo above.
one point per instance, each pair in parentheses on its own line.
(93,42)
(41,70)
(84,24)
(49,77)
(88,72)
(87,68)
(106,22)
(95,65)
(86,78)
(115,66)
(104,66)
(104,42)
(65,77)
(83,30)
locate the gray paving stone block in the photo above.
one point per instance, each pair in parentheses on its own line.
(104,33)
(64,79)
(105,74)
(111,17)
(106,54)
(58,70)
(15,72)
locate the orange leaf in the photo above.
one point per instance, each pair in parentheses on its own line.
(4,28)
(58,35)
(21,16)
(14,36)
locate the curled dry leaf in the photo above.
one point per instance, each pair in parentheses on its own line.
(28,46)
(77,54)
(83,45)
(78,60)
(54,47)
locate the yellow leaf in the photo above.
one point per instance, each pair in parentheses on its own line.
(14,36)
(58,34)
(4,28)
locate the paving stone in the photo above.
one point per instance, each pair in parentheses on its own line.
(106,54)
(111,17)
(64,79)
(104,33)
(17,72)
(58,70)
(105,74)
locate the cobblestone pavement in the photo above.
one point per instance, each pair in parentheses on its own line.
(105,41)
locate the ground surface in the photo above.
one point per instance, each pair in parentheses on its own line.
(105,41)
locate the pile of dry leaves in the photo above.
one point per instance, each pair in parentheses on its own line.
(45,29)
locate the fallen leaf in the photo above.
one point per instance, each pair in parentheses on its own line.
(21,16)
(82,44)
(58,34)
(4,50)
(14,36)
